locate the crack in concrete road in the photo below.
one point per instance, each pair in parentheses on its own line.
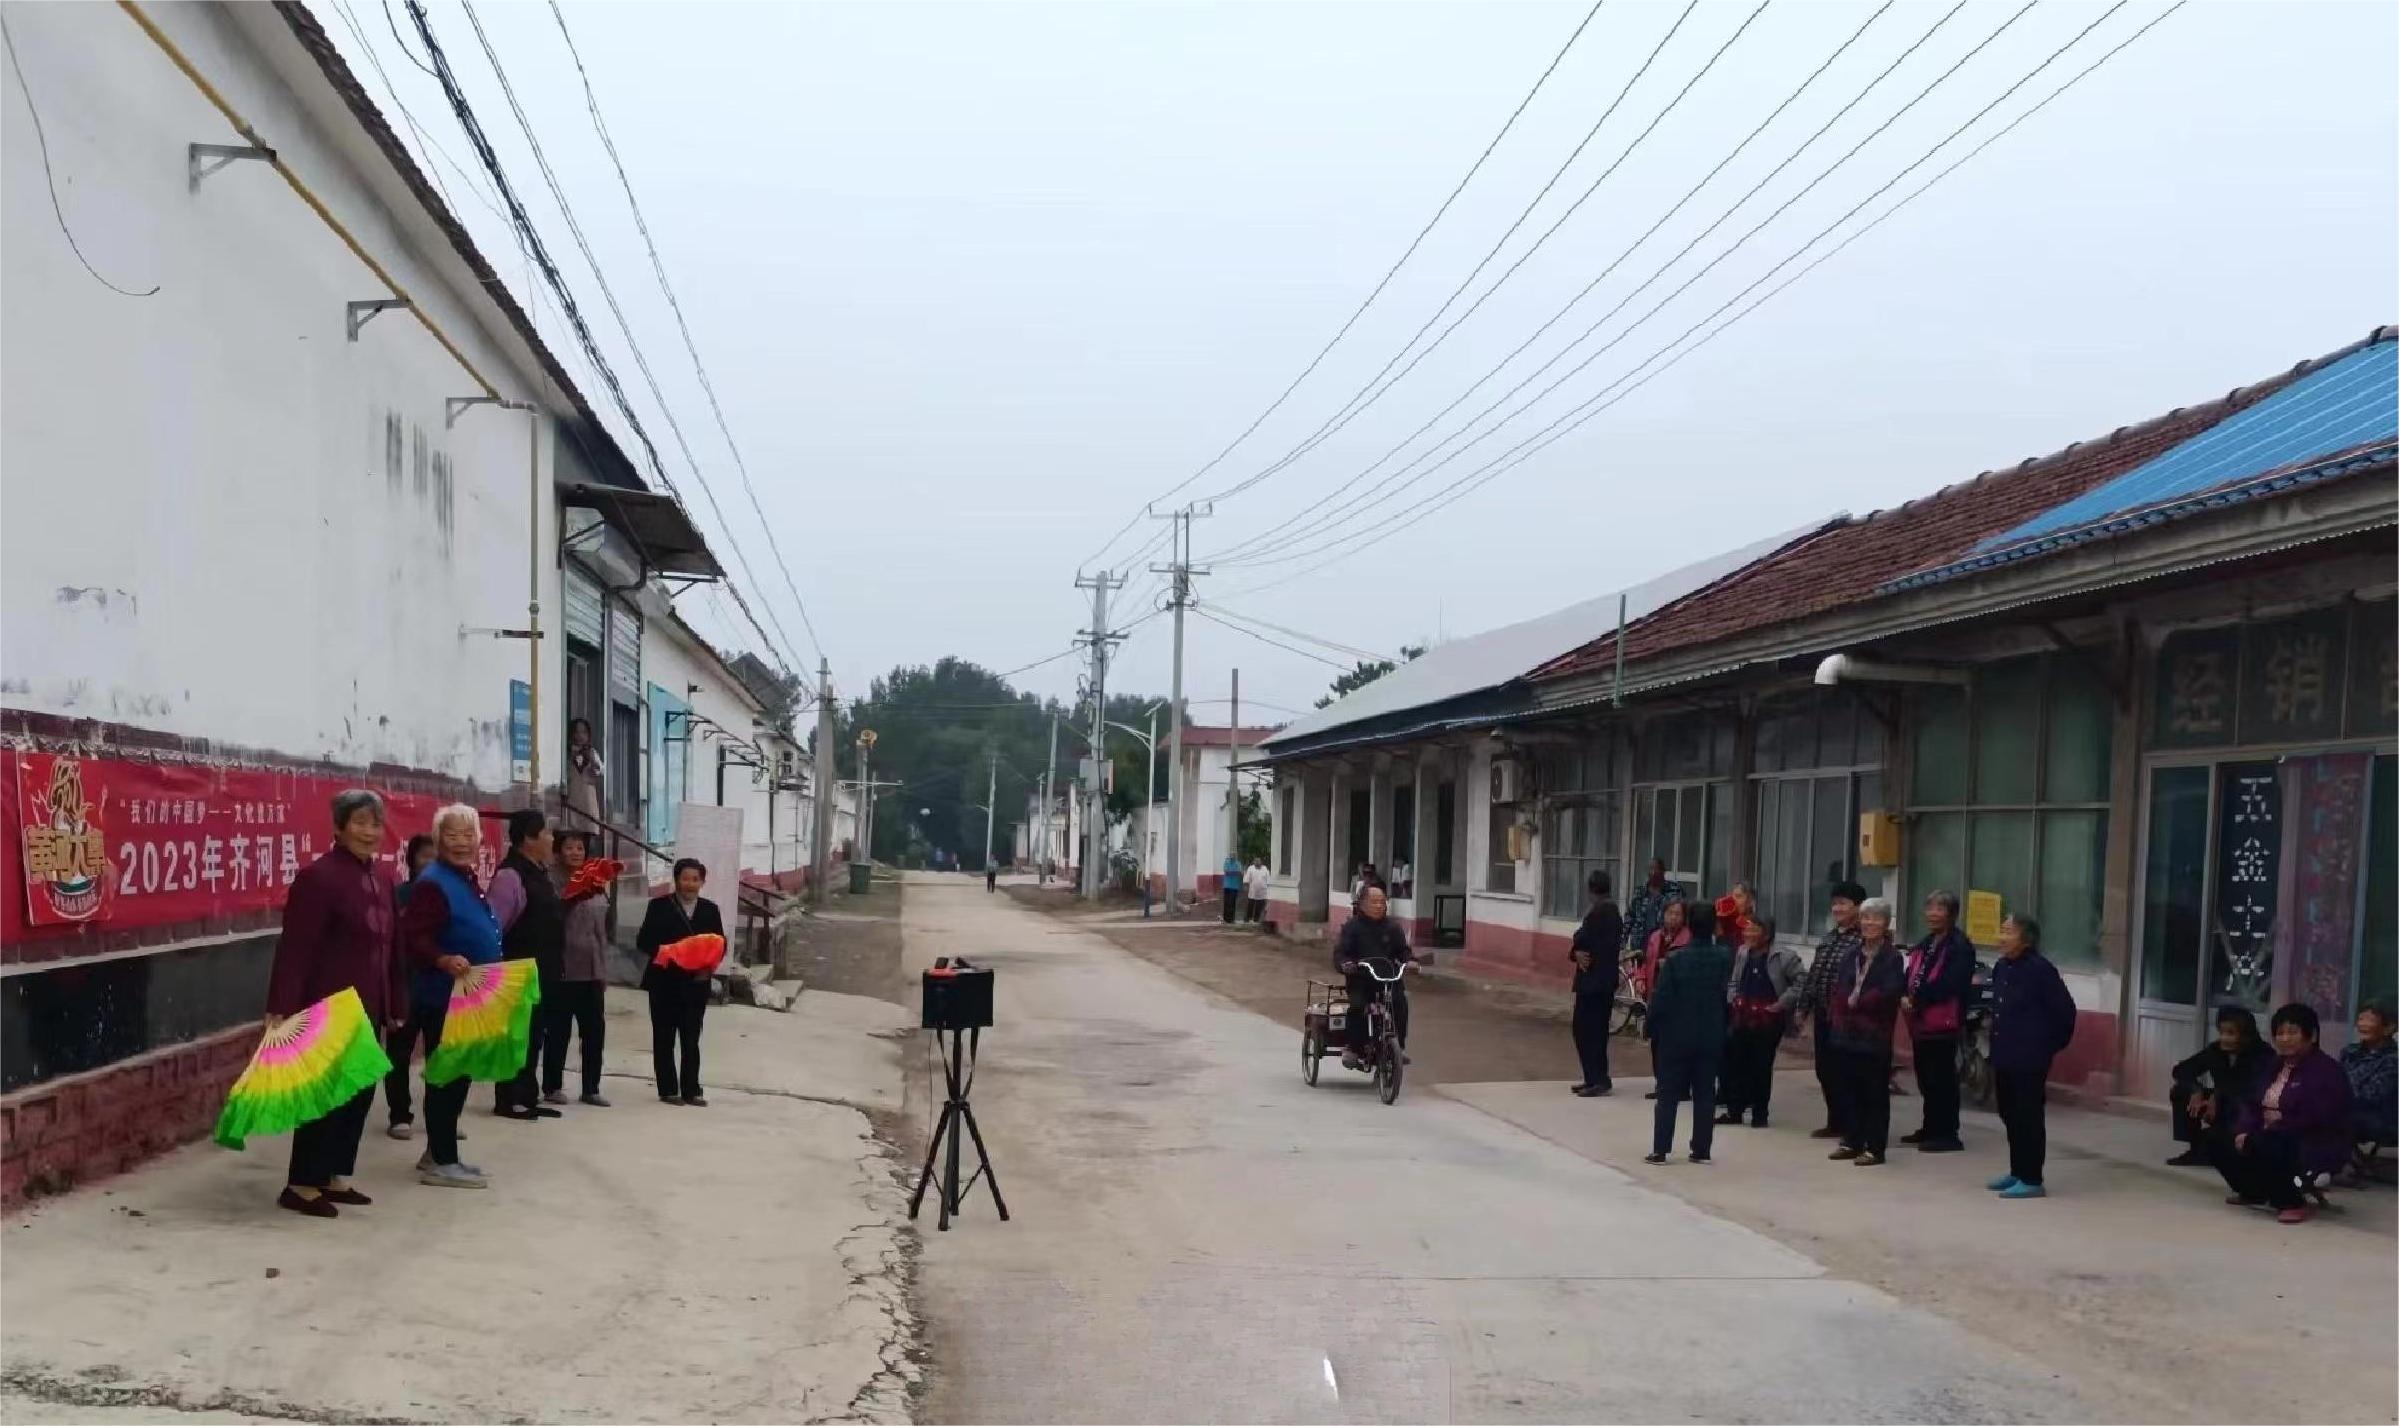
(36,1384)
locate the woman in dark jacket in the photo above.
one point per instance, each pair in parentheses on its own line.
(2209,1087)
(1864,1009)
(1940,976)
(2032,1021)
(2295,1121)
(678,997)
(1366,936)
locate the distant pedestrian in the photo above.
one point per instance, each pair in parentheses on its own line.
(991,876)
(1866,991)
(447,929)
(1366,877)
(400,1045)
(2295,1123)
(1672,935)
(532,928)
(1687,1017)
(1815,997)
(2032,1022)
(1766,984)
(586,774)
(678,997)
(1598,954)
(578,1002)
(1254,885)
(1940,977)
(1229,887)
(337,935)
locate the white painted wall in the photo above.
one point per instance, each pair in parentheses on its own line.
(1519,909)
(198,529)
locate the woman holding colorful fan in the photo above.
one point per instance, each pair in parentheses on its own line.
(682,938)
(446,931)
(337,937)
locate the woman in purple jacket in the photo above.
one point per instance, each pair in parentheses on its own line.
(2032,1020)
(2295,1121)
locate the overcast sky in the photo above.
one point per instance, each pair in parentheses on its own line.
(976,281)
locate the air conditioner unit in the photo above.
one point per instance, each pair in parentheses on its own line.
(1506,779)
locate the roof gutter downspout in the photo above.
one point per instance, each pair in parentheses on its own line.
(1849,668)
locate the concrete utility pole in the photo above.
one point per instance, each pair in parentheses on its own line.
(1180,568)
(866,796)
(1041,851)
(820,831)
(1095,828)
(1232,779)
(991,802)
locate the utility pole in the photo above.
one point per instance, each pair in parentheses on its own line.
(820,861)
(1232,779)
(991,802)
(866,795)
(1095,828)
(1180,568)
(1041,852)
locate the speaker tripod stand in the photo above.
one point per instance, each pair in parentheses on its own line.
(958,1071)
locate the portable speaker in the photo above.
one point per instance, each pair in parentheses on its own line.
(957,996)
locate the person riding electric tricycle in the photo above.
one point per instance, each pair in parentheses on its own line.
(1367,935)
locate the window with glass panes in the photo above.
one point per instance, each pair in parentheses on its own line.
(1816,762)
(1582,820)
(2009,784)
(1683,799)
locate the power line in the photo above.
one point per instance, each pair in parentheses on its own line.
(1339,648)
(1387,486)
(1368,394)
(42,139)
(657,265)
(1275,537)
(1525,450)
(539,252)
(1415,243)
(1266,639)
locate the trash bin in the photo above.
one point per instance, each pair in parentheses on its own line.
(862,875)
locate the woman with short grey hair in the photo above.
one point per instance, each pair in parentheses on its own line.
(337,935)
(1862,1005)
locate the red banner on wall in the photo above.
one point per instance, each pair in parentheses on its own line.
(116,843)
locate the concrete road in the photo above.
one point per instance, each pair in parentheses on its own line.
(742,1262)
(1200,1237)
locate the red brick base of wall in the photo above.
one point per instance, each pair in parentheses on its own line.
(66,1132)
(1516,954)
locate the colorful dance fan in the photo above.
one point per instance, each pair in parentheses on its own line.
(592,878)
(305,1068)
(697,954)
(489,1022)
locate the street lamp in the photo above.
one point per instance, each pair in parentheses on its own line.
(1149,796)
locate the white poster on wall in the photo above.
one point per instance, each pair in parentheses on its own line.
(713,835)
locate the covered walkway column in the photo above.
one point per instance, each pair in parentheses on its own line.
(1315,842)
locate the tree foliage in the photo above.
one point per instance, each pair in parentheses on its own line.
(1366,672)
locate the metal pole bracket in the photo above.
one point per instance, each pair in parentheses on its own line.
(362,313)
(205,159)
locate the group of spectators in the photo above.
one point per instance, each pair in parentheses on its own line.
(403,945)
(1721,995)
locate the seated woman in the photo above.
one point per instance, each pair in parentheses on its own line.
(2372,1065)
(2295,1122)
(2210,1085)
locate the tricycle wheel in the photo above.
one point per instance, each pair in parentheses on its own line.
(1387,1069)
(1311,1049)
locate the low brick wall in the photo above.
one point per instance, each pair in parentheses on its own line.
(67,1132)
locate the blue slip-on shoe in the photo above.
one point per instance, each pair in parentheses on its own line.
(2003,1183)
(2021,1189)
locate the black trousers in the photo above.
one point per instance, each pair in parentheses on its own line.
(579,1006)
(400,1046)
(326,1149)
(1749,1070)
(1864,1077)
(1232,902)
(2266,1167)
(2186,1129)
(1591,1036)
(1693,1072)
(1364,988)
(1255,909)
(443,1102)
(1828,1070)
(676,1009)
(2024,1109)
(1937,1081)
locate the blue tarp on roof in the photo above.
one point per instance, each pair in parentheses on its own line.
(2328,423)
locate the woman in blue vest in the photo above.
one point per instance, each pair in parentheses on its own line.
(446,929)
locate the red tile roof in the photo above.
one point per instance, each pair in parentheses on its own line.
(1845,563)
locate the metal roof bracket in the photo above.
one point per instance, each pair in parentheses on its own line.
(202,160)
(362,313)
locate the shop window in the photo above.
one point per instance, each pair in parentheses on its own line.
(1939,766)
(2174,883)
(1289,799)
(1445,834)
(1359,845)
(1500,872)
(2378,948)
(1403,833)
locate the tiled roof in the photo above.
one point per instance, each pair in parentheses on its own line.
(2339,419)
(1853,562)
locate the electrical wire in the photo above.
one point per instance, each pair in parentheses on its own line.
(1276,536)
(591,102)
(1267,639)
(1571,209)
(1526,450)
(1392,272)
(1339,648)
(1387,485)
(41,139)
